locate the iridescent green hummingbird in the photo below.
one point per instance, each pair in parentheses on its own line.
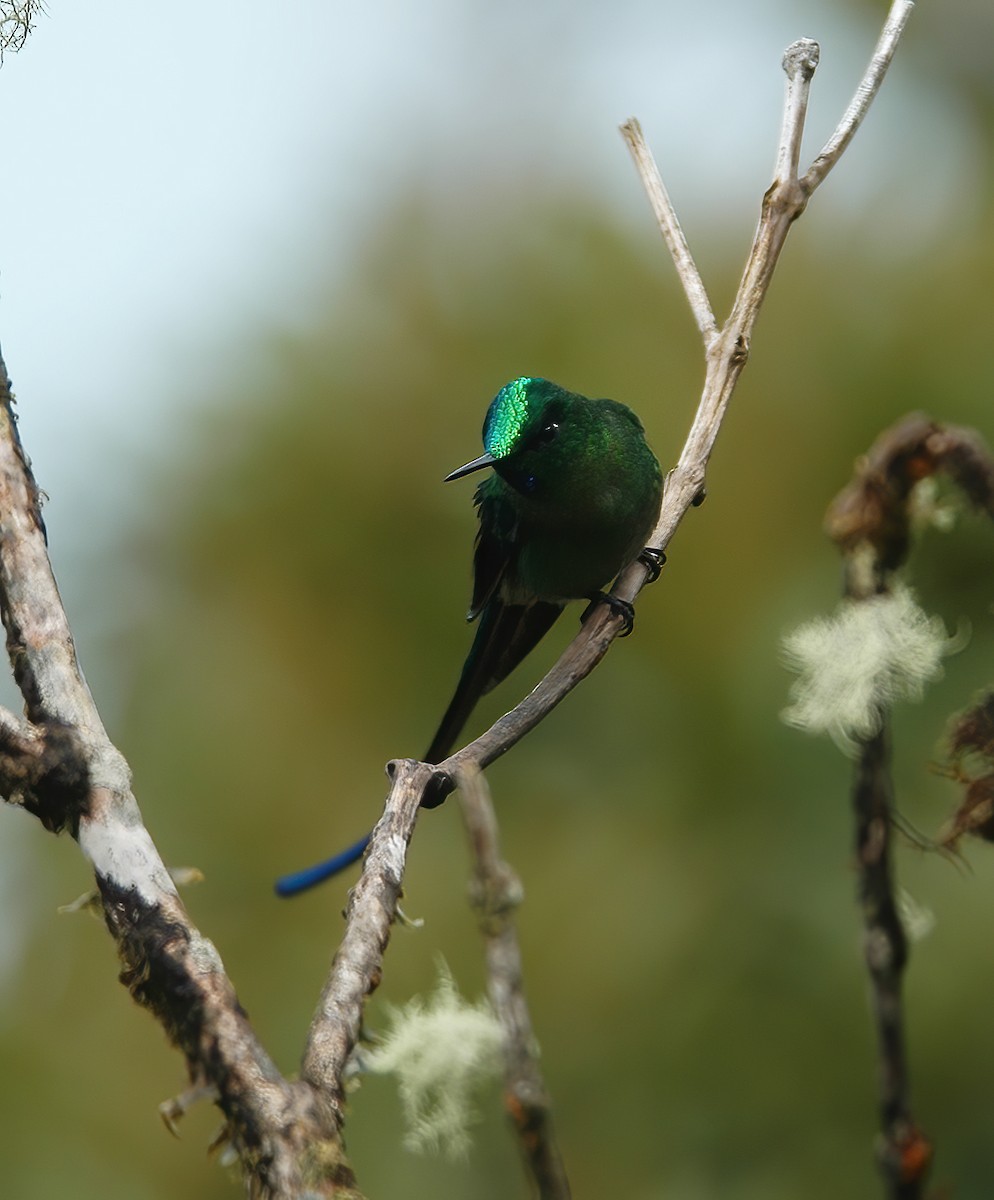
(573,496)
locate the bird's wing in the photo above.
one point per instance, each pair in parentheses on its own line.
(496,543)
(518,629)
(507,632)
(510,626)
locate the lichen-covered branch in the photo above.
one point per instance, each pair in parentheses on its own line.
(870,522)
(878,648)
(61,765)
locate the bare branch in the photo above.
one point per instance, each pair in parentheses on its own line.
(355,972)
(799,62)
(869,85)
(669,225)
(496,892)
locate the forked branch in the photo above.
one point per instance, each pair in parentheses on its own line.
(726,351)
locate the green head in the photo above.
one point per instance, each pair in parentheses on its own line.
(523,420)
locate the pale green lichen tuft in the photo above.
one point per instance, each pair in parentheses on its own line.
(440,1050)
(854,665)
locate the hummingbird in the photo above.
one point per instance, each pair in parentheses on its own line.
(573,494)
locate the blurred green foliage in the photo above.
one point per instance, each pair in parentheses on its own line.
(689,932)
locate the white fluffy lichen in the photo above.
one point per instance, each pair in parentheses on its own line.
(440,1049)
(854,665)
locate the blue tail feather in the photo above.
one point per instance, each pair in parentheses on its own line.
(300,881)
(505,635)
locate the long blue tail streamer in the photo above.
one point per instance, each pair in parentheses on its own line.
(301,881)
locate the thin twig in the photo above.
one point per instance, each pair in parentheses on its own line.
(800,61)
(903,1151)
(869,85)
(496,892)
(672,231)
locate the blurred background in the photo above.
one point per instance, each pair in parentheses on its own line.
(261,276)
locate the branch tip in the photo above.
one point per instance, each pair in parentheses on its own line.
(801,59)
(863,97)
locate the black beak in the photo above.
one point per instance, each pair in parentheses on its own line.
(485,460)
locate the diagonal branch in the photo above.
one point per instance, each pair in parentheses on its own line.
(726,352)
(65,758)
(355,972)
(671,229)
(869,85)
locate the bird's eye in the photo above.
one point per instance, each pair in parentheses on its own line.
(547,434)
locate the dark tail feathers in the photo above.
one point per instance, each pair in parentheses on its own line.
(507,632)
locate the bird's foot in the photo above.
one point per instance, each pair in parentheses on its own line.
(624,609)
(653,560)
(437,788)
